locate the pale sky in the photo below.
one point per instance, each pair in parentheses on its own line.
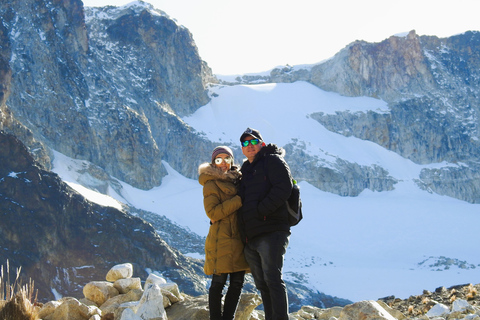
(237,37)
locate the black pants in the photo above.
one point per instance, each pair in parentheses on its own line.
(232,297)
(264,255)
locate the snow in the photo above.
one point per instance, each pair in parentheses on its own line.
(114,12)
(13,174)
(359,248)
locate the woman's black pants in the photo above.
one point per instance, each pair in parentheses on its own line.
(232,297)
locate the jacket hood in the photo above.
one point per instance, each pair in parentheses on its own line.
(268,150)
(208,171)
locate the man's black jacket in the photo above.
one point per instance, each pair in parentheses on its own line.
(265,187)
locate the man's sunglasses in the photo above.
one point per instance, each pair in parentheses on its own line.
(227,160)
(254,142)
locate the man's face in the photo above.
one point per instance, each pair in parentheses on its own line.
(251,150)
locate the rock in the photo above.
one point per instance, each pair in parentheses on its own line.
(132,306)
(395,313)
(153,278)
(150,305)
(460,305)
(48,309)
(365,310)
(129,314)
(120,271)
(247,304)
(72,309)
(172,291)
(192,308)
(196,308)
(114,303)
(99,291)
(125,285)
(88,302)
(326,314)
(438,310)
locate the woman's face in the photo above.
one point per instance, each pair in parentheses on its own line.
(223,161)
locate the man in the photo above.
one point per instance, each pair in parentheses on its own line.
(263,219)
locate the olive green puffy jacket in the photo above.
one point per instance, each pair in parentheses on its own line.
(223,247)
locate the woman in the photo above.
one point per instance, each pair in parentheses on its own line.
(223,247)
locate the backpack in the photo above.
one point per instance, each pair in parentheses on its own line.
(294,205)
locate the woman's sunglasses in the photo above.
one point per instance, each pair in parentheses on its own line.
(228,160)
(254,142)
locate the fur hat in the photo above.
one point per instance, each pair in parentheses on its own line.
(251,132)
(221,149)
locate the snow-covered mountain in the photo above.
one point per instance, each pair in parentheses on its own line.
(396,242)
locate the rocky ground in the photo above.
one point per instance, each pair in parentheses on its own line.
(418,305)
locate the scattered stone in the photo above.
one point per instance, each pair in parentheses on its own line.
(99,291)
(125,285)
(164,301)
(365,310)
(120,271)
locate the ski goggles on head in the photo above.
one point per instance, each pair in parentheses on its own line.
(254,142)
(227,160)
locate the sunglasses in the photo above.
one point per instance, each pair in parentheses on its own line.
(227,160)
(254,142)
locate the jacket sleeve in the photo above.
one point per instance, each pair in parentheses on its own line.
(214,207)
(278,173)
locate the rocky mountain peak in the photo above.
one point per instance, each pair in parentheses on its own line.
(118,79)
(377,66)
(393,69)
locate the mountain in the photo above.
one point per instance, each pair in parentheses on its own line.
(125,75)
(431,86)
(382,137)
(62,241)
(122,122)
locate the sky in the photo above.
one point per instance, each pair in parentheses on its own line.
(358,248)
(250,36)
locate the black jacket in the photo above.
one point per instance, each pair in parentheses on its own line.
(265,187)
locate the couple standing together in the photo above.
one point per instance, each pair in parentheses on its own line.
(249,229)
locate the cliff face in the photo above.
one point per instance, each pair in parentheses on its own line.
(106,85)
(432,87)
(63,241)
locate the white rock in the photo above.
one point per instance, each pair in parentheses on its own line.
(153,278)
(367,310)
(151,303)
(438,310)
(128,314)
(120,271)
(170,290)
(460,305)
